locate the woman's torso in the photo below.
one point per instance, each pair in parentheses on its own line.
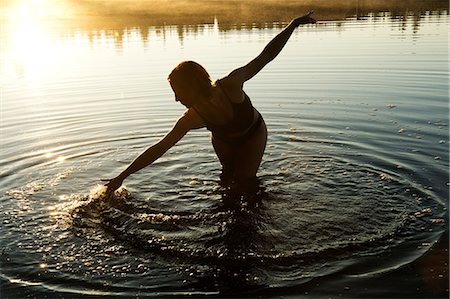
(229,113)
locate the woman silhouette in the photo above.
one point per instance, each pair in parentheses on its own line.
(239,133)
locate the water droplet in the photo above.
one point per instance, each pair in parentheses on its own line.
(437,220)
(427,211)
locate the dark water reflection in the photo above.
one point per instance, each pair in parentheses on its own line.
(147,34)
(354,180)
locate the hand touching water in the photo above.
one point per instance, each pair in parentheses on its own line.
(112,185)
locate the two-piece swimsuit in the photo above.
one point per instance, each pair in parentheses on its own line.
(241,128)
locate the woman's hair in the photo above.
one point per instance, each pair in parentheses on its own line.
(193,75)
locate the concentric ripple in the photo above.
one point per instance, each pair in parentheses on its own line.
(354,180)
(326,215)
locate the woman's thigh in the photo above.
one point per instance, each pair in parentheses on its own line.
(225,152)
(249,155)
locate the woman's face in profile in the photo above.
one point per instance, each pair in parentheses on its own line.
(183,94)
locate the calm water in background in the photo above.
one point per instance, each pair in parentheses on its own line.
(355,172)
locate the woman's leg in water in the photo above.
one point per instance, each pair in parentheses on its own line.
(226,155)
(248,159)
(240,164)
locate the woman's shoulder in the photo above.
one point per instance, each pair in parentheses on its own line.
(232,88)
(191,119)
(229,81)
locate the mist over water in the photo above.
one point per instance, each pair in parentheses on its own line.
(354,179)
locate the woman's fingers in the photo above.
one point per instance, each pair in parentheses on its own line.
(306,19)
(308,15)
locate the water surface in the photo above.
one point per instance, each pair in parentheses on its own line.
(354,179)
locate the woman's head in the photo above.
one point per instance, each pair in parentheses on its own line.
(190,82)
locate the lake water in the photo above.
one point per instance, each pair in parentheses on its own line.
(355,176)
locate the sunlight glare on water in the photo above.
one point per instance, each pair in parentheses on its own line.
(30,46)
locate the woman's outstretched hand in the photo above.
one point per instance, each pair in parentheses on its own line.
(112,185)
(306,19)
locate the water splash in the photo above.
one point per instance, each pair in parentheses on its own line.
(35,186)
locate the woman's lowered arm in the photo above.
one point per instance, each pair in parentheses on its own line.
(185,123)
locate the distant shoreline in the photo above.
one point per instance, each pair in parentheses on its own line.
(102,14)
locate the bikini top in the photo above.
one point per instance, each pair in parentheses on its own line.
(241,121)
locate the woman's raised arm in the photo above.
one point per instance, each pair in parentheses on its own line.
(271,51)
